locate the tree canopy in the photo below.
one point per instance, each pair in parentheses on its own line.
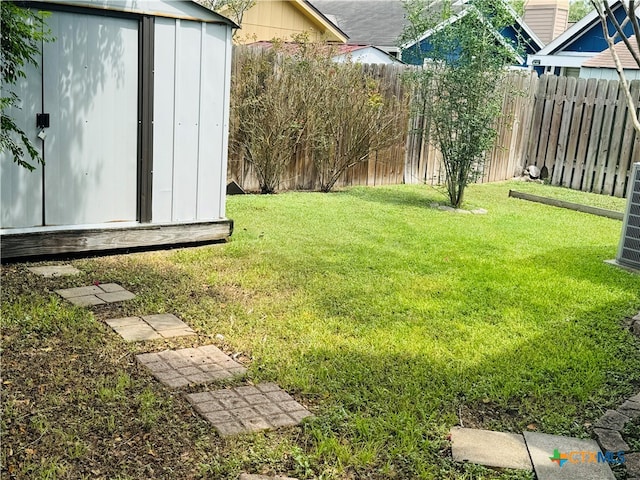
(464,64)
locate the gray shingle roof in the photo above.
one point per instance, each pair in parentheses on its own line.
(367,22)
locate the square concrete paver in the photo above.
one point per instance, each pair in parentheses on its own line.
(493,449)
(248,409)
(49,271)
(134,329)
(96,294)
(191,366)
(579,458)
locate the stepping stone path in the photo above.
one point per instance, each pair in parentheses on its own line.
(555,457)
(150,327)
(191,366)
(248,409)
(231,411)
(493,449)
(96,294)
(534,451)
(50,271)
(579,458)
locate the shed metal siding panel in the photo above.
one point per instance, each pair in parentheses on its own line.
(212,82)
(225,125)
(187,112)
(163,125)
(192,78)
(20,189)
(91,91)
(185,9)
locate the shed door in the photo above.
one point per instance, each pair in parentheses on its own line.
(90,91)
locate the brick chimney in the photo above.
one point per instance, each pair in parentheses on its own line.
(547,18)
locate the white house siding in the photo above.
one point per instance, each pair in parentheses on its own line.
(608,73)
(192,68)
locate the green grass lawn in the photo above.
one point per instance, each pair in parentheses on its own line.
(391,320)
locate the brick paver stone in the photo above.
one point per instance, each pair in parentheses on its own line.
(581,456)
(191,366)
(611,440)
(147,328)
(49,271)
(630,409)
(632,463)
(612,420)
(248,409)
(137,332)
(96,294)
(493,449)
(111,287)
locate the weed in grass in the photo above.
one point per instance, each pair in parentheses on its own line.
(109,390)
(148,410)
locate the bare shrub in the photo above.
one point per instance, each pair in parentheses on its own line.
(293,96)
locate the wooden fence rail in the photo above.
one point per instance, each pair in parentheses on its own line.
(578,129)
(581,132)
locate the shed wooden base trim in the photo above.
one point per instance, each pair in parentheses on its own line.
(74,240)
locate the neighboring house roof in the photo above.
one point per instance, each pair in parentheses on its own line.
(283,19)
(358,53)
(364,54)
(516,36)
(605,60)
(580,42)
(367,22)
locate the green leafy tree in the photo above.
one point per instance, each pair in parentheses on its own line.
(232,9)
(22,32)
(578,9)
(460,82)
(518,6)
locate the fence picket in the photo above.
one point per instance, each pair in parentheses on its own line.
(577,128)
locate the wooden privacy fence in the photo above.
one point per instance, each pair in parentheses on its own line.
(578,129)
(383,167)
(582,132)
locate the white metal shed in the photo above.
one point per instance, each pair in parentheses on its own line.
(131,102)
